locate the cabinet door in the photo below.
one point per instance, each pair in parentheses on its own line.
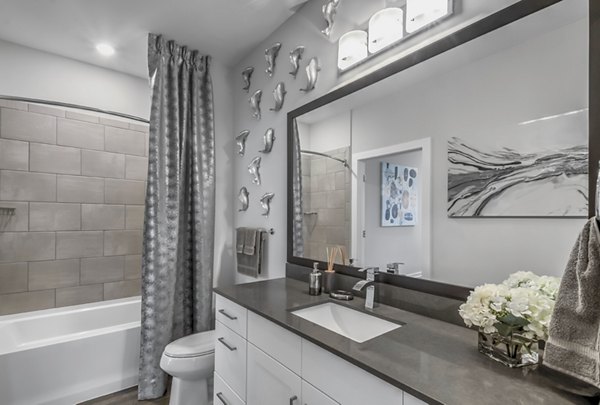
(312,396)
(269,382)
(410,400)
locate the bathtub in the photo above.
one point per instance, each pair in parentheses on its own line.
(63,356)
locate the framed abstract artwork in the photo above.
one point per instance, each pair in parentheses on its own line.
(399,195)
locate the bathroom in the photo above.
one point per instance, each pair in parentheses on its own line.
(83,135)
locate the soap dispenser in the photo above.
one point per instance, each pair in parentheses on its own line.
(314,285)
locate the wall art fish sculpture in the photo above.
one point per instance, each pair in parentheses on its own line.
(278,96)
(295,56)
(254,170)
(265,202)
(312,74)
(241,141)
(268,139)
(246,76)
(271,56)
(255,103)
(244,200)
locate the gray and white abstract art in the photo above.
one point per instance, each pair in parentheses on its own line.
(504,182)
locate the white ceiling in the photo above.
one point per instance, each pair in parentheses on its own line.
(224,29)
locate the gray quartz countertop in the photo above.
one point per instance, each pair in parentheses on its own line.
(433,360)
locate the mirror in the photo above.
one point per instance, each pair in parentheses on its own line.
(411,141)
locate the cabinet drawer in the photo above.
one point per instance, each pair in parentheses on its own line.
(279,343)
(224,395)
(312,396)
(232,315)
(230,358)
(332,375)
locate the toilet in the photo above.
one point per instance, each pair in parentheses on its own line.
(191,362)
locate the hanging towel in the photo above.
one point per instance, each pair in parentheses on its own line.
(250,264)
(250,241)
(573,335)
(240,237)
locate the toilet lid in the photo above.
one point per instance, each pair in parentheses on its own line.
(197,344)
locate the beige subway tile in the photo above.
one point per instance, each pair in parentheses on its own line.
(133,267)
(103,164)
(19,221)
(336,199)
(124,191)
(26,126)
(80,189)
(14,155)
(114,123)
(54,159)
(122,243)
(340,180)
(80,134)
(79,295)
(82,117)
(102,269)
(13,104)
(336,235)
(26,301)
(13,277)
(134,218)
(124,141)
(24,186)
(122,289)
(26,246)
(139,127)
(53,274)
(45,109)
(54,217)
(78,244)
(136,168)
(100,216)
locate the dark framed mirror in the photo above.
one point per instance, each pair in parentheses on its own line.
(524,71)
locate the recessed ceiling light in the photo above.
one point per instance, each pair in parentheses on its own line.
(105,49)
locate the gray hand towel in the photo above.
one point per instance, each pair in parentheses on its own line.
(250,242)
(251,264)
(240,237)
(573,336)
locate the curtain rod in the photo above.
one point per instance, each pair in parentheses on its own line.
(310,152)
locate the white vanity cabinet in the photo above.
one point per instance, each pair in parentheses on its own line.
(260,363)
(270,382)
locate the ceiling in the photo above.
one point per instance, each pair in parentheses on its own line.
(224,29)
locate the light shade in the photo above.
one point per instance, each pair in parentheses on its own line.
(352,48)
(420,13)
(385,27)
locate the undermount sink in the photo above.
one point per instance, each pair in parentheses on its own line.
(347,322)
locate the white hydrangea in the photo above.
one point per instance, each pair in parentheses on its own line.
(524,302)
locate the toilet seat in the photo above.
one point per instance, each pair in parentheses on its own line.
(198,344)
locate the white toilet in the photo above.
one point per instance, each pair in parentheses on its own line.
(191,362)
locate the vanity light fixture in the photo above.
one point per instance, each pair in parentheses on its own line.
(420,13)
(105,49)
(385,27)
(352,48)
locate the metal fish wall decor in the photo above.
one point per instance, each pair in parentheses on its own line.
(271,56)
(279,96)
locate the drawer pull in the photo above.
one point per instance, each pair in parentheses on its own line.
(227,345)
(233,318)
(222,398)
(293,399)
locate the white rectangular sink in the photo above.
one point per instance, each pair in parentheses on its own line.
(347,322)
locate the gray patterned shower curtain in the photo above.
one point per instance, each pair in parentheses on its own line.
(298,218)
(177,261)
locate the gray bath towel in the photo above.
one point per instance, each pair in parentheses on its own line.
(240,237)
(250,261)
(573,342)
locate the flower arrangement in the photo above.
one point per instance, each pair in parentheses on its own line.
(515,313)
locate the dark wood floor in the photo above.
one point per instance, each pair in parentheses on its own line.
(126,397)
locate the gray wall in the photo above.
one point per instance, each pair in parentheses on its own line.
(77,183)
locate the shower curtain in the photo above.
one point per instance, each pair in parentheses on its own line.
(298,218)
(177,261)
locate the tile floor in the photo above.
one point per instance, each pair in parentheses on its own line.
(126,397)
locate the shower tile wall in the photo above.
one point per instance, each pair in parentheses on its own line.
(326,199)
(76,181)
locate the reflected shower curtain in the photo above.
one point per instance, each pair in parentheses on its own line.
(177,261)
(298,217)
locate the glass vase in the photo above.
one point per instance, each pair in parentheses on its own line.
(512,351)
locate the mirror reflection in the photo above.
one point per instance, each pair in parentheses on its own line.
(511,105)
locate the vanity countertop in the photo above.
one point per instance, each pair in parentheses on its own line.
(430,359)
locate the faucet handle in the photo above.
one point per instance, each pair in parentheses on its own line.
(370,270)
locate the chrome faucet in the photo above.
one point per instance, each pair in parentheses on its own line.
(393,268)
(369,283)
